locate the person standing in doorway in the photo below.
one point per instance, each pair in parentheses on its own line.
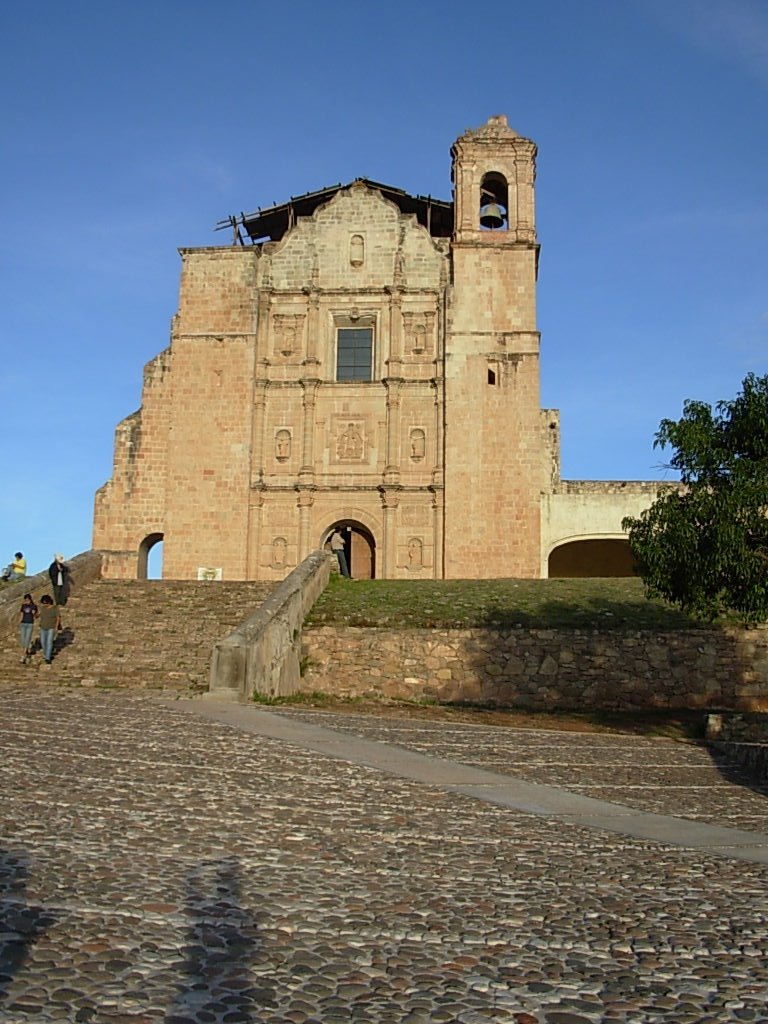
(61,580)
(27,616)
(49,623)
(338,548)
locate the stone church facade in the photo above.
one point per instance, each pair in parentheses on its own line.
(366,359)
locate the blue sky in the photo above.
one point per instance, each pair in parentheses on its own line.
(130,129)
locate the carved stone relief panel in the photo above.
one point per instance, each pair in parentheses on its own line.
(288,330)
(350,443)
(282,445)
(357,250)
(279,552)
(419,333)
(417,444)
(415,553)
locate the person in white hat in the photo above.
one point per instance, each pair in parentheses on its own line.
(61,580)
(338,545)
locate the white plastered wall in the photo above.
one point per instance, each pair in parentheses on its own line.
(588,516)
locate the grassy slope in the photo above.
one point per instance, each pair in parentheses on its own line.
(615,604)
(612,604)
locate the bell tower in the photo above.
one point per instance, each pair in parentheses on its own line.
(493,436)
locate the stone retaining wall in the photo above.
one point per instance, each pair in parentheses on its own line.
(738,727)
(753,757)
(743,737)
(543,669)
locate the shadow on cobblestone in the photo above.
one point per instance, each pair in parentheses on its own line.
(21,925)
(741,773)
(65,638)
(221,946)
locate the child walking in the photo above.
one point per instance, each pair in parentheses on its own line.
(49,623)
(27,616)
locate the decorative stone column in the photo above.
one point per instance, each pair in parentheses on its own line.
(304,502)
(255,517)
(438,570)
(256,497)
(395,355)
(438,385)
(390,499)
(313,327)
(525,155)
(260,385)
(258,426)
(309,400)
(392,455)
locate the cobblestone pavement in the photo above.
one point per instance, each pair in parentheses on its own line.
(659,776)
(159,867)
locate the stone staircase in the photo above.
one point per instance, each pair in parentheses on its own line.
(149,634)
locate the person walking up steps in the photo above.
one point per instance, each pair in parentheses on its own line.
(27,616)
(49,623)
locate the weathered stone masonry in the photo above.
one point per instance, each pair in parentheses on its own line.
(543,669)
(370,361)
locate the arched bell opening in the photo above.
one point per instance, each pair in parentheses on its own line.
(150,567)
(494,202)
(359,548)
(585,558)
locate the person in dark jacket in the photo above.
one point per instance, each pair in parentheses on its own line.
(61,580)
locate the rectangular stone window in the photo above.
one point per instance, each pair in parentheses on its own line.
(354,353)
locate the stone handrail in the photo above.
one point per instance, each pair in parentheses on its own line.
(263,654)
(84,568)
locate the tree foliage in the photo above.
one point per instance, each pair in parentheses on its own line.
(703,546)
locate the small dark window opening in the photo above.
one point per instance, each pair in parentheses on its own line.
(354,353)
(491,376)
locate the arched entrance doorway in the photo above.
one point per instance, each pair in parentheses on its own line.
(359,547)
(145,547)
(598,557)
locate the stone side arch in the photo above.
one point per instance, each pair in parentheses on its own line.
(364,546)
(143,555)
(590,556)
(324,523)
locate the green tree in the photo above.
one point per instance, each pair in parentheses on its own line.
(703,545)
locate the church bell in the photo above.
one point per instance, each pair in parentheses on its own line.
(492,216)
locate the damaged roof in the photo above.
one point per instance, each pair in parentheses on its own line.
(271,223)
